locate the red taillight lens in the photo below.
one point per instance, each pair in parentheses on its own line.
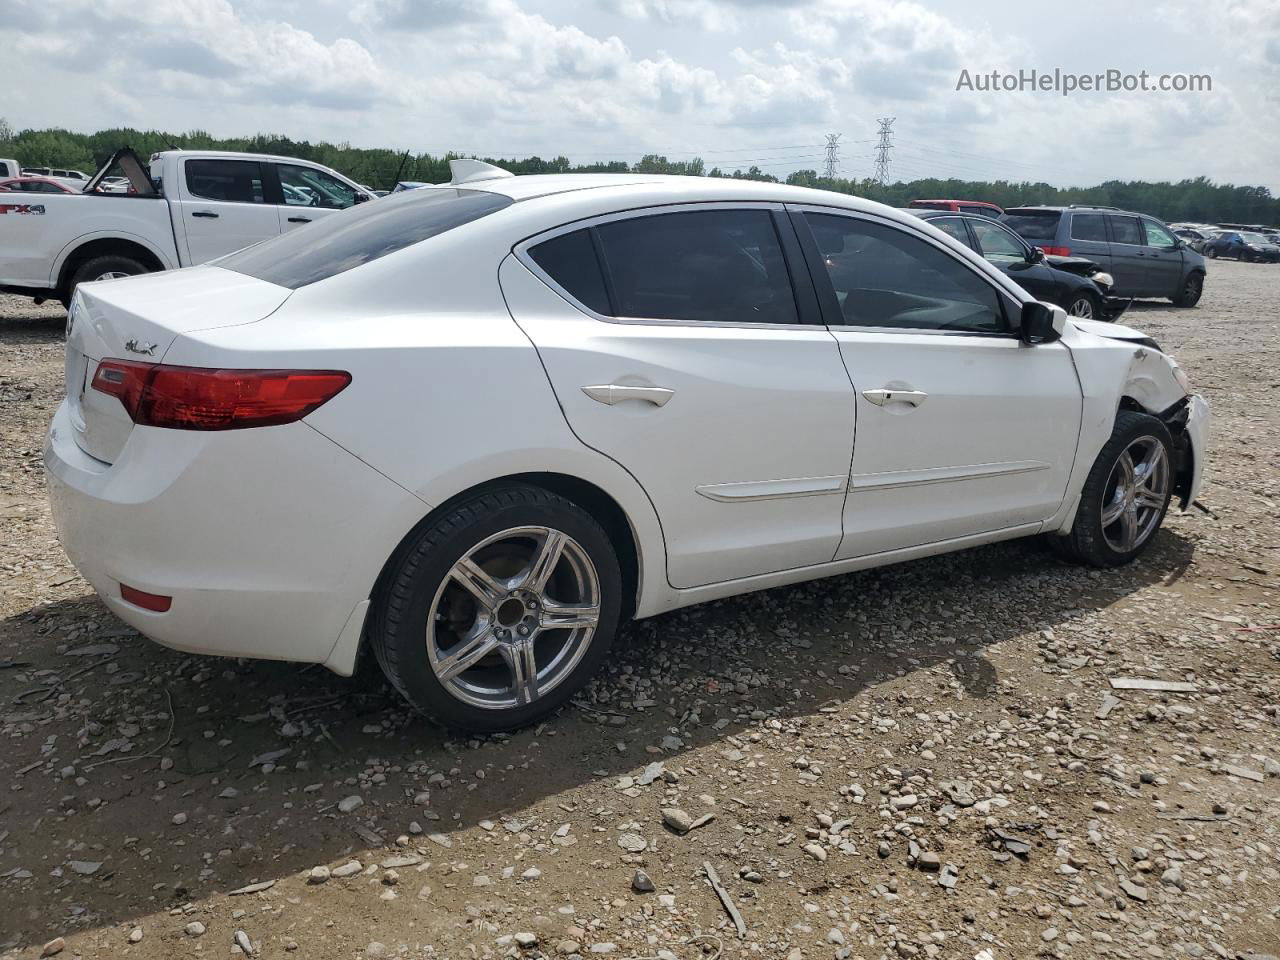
(1057,251)
(198,398)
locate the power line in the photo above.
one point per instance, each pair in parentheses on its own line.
(883,148)
(832,165)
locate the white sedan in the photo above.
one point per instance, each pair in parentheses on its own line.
(475,426)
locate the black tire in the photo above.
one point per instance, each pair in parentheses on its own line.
(97,268)
(1086,542)
(1211,253)
(405,594)
(1192,290)
(1078,301)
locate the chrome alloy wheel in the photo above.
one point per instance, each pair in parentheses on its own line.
(112,275)
(513,617)
(1083,308)
(1135,495)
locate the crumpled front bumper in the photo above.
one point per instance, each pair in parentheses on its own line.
(1196,430)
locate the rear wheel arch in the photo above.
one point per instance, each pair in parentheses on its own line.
(602,507)
(103,247)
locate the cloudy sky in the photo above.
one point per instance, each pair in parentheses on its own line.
(733,81)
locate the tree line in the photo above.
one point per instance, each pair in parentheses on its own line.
(1198,199)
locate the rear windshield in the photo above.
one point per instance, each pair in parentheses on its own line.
(341,241)
(1037,226)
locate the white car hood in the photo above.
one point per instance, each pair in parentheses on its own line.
(1112,331)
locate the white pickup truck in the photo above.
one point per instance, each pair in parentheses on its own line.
(185,207)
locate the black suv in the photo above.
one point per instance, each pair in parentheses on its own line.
(1140,252)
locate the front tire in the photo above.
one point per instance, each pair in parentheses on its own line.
(1211,253)
(493,615)
(1083,305)
(1126,495)
(1191,292)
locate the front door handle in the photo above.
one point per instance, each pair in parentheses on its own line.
(205,213)
(612,393)
(299,219)
(882,397)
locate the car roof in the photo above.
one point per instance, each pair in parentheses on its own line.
(679,189)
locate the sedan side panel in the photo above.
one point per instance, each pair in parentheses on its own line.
(747,460)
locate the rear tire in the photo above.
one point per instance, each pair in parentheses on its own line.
(1191,292)
(462,618)
(109,267)
(1124,501)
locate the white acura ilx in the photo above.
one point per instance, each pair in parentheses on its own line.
(474,426)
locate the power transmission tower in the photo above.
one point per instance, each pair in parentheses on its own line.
(832,166)
(883,148)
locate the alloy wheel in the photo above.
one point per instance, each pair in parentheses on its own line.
(1135,495)
(513,617)
(1081,307)
(112,275)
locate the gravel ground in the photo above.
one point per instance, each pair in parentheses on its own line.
(922,761)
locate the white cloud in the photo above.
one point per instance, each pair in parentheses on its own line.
(735,80)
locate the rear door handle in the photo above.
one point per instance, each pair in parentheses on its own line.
(613,393)
(882,397)
(299,219)
(205,213)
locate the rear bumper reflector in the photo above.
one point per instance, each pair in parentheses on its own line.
(147,601)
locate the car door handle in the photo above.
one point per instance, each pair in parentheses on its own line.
(882,397)
(613,393)
(299,219)
(205,213)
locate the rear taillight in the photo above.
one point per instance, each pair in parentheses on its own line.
(1057,251)
(199,398)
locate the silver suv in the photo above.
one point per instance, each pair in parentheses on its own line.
(1139,251)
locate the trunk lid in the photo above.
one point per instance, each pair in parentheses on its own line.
(138,318)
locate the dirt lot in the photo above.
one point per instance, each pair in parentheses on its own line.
(921,761)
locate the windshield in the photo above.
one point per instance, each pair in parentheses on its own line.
(1254,238)
(356,236)
(1036,226)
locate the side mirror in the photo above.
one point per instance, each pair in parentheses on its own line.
(1041,323)
(363,197)
(1037,255)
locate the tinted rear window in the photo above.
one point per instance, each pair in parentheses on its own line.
(1038,226)
(570,260)
(357,236)
(1089,226)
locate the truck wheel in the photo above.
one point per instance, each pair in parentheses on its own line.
(109,267)
(1125,496)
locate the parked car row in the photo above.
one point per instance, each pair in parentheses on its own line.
(1261,245)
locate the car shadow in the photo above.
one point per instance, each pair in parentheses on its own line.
(170,794)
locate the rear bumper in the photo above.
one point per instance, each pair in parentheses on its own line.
(268,540)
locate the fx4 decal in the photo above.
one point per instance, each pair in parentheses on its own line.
(32,209)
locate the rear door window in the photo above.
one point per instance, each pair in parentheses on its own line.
(372,230)
(1034,226)
(953,226)
(1125,230)
(231,181)
(1089,226)
(712,266)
